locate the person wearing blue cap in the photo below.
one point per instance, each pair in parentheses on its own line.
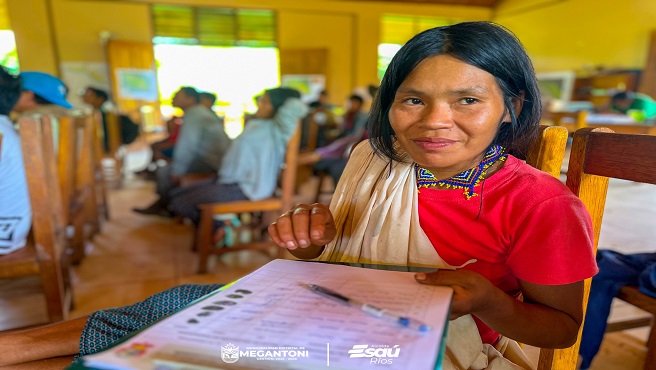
(42,93)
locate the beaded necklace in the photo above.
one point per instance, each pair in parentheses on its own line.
(466,180)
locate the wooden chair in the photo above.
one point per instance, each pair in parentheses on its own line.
(546,153)
(78,181)
(114,142)
(597,155)
(279,203)
(45,253)
(98,155)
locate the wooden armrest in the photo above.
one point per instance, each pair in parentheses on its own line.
(192,178)
(242,206)
(632,295)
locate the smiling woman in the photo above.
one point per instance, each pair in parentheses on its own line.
(436,186)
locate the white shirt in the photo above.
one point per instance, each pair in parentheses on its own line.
(15,212)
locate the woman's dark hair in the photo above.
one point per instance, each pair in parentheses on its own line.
(10,91)
(484,45)
(279,96)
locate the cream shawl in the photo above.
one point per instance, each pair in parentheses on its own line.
(376,214)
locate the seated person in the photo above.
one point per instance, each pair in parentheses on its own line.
(355,120)
(435,187)
(208,99)
(454,99)
(42,94)
(99,100)
(320,114)
(251,166)
(335,155)
(199,149)
(625,101)
(615,271)
(163,149)
(15,212)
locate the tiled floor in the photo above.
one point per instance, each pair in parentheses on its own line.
(136,256)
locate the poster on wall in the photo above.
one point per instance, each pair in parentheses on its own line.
(80,75)
(310,86)
(137,84)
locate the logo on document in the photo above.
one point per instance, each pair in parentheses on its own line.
(379,354)
(230,353)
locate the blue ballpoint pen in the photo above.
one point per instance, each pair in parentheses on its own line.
(372,310)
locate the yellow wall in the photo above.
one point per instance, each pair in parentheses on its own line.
(78,25)
(580,34)
(32,28)
(348,29)
(333,31)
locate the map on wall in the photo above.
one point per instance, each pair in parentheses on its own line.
(80,75)
(137,84)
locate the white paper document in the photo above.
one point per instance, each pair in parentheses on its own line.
(269,320)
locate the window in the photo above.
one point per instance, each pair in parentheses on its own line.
(8,54)
(397,30)
(213,26)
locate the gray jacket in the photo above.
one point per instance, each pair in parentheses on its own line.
(202,142)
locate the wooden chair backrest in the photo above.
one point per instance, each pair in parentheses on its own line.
(289,169)
(114,131)
(596,155)
(547,152)
(46,202)
(599,154)
(66,160)
(76,156)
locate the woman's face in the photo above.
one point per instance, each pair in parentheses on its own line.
(264,107)
(446,113)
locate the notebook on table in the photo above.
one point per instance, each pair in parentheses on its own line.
(269,319)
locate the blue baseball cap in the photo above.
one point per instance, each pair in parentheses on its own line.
(46,86)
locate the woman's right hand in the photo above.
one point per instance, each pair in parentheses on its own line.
(303,226)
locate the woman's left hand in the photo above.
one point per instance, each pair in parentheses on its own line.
(472,293)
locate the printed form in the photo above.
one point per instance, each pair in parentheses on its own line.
(269,319)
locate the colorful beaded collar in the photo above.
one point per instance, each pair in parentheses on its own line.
(466,180)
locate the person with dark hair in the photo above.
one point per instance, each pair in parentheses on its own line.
(42,93)
(200,147)
(250,167)
(436,186)
(335,155)
(99,100)
(207,99)
(15,212)
(626,101)
(249,171)
(95,97)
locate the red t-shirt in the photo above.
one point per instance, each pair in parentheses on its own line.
(524,224)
